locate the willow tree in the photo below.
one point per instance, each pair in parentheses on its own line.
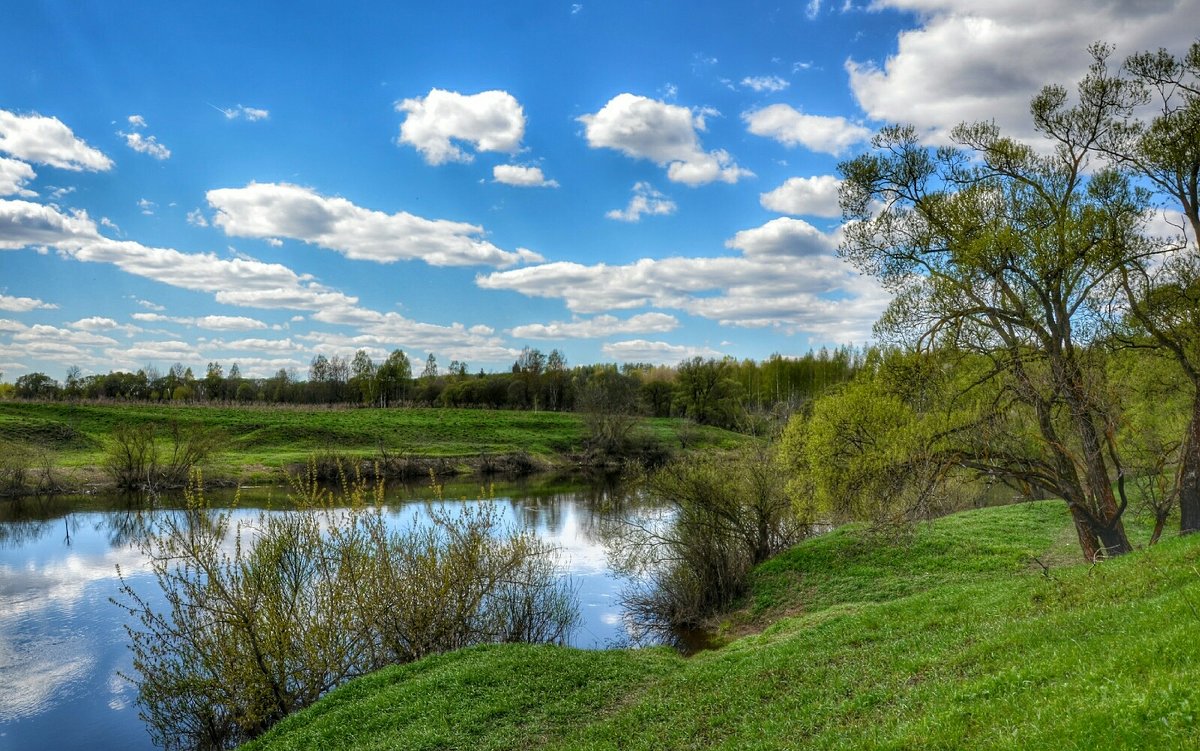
(1164,151)
(1008,252)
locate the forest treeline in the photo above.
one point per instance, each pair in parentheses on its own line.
(719,392)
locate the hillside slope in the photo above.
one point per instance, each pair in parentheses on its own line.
(952,639)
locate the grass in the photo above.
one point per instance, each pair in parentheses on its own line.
(951,639)
(272,437)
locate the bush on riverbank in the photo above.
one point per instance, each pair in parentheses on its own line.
(262,618)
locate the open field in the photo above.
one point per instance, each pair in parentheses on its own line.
(954,639)
(259,440)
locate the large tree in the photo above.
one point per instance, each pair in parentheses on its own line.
(999,249)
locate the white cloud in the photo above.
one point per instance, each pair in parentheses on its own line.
(829,135)
(645,200)
(94,323)
(195,217)
(781,238)
(46,140)
(787,276)
(150,305)
(253,114)
(971,60)
(13,176)
(42,334)
(146,145)
(260,345)
(147,206)
(272,210)
(764,83)
(521,177)
(212,322)
(489,121)
(23,304)
(232,282)
(137,121)
(161,351)
(658,353)
(806,196)
(666,134)
(600,326)
(235,281)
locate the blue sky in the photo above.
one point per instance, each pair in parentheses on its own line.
(624,181)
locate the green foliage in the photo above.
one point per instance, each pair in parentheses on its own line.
(725,514)
(263,617)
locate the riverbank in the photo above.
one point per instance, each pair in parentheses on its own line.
(259,444)
(980,630)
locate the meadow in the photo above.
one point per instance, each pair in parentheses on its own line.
(257,442)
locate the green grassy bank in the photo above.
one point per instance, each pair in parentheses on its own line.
(952,639)
(262,439)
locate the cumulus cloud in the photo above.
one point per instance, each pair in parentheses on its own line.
(786,276)
(666,134)
(23,304)
(94,323)
(764,83)
(212,322)
(13,176)
(260,345)
(272,210)
(805,196)
(789,126)
(146,145)
(236,281)
(645,200)
(46,140)
(136,121)
(658,353)
(242,112)
(521,177)
(973,60)
(488,121)
(599,326)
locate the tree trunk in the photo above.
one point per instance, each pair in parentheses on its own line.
(1098,541)
(1189,474)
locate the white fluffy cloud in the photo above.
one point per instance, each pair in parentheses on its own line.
(658,353)
(271,210)
(764,83)
(805,196)
(46,140)
(94,323)
(645,200)
(521,177)
(786,276)
(489,121)
(973,60)
(13,176)
(789,126)
(212,323)
(666,134)
(235,281)
(599,326)
(23,304)
(146,145)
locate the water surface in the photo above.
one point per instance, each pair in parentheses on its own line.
(63,644)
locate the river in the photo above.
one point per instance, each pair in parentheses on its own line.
(63,646)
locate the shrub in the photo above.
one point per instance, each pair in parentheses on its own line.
(150,455)
(723,516)
(263,617)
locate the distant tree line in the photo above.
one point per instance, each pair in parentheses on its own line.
(725,392)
